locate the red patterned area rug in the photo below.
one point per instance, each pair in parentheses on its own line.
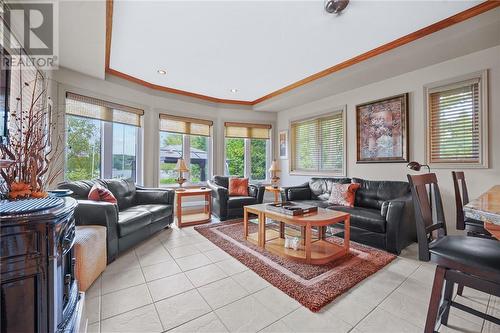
(313,286)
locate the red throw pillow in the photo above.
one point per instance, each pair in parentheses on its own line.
(343,194)
(238,187)
(100,193)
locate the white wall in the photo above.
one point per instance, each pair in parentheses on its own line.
(478,180)
(153,103)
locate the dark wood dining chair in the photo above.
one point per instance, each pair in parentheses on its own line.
(473,227)
(469,261)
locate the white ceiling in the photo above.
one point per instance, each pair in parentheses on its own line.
(82,36)
(257,47)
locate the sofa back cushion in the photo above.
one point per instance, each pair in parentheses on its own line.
(123,190)
(372,193)
(100,193)
(322,187)
(80,188)
(222,181)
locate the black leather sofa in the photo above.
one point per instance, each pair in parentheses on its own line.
(139,212)
(382,215)
(227,207)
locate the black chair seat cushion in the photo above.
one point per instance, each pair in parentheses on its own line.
(238,202)
(482,254)
(364,218)
(158,212)
(133,219)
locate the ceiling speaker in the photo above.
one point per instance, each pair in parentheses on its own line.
(336,6)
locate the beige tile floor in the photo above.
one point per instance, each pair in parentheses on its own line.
(178,281)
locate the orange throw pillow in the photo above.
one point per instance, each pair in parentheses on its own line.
(343,194)
(100,193)
(238,187)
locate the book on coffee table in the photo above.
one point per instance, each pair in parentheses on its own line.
(291,208)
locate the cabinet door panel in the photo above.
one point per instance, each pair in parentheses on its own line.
(20,311)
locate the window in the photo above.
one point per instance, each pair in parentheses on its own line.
(187,138)
(318,145)
(456,123)
(83,152)
(124,151)
(247,150)
(103,139)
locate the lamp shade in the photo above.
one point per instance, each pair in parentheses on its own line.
(181,166)
(274,166)
(415,166)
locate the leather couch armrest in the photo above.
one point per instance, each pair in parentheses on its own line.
(218,192)
(400,218)
(102,213)
(154,196)
(300,192)
(220,197)
(257,191)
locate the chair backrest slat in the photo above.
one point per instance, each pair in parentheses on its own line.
(429,211)
(461,199)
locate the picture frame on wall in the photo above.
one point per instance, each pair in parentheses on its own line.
(283,144)
(382,130)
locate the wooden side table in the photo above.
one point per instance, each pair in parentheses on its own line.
(185,220)
(276,191)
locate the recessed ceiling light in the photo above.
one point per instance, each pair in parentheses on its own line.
(234,90)
(162,71)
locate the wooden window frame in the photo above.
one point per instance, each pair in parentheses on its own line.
(292,152)
(483,120)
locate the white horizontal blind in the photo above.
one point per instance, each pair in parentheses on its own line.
(454,121)
(318,144)
(332,143)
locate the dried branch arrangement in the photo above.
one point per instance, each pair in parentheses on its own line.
(31,144)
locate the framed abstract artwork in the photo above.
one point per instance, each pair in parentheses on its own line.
(382,130)
(283,144)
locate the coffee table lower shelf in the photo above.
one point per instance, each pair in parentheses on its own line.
(322,251)
(313,250)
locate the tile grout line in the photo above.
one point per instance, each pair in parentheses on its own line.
(149,292)
(377,306)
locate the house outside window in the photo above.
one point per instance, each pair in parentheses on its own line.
(187,138)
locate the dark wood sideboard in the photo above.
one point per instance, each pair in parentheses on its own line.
(39,292)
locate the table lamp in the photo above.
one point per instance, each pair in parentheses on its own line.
(415,166)
(274,169)
(181,167)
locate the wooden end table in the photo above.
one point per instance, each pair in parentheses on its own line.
(318,252)
(276,191)
(185,220)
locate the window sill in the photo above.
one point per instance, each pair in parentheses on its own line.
(458,166)
(316,173)
(185,185)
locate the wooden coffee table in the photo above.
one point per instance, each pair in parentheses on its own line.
(316,251)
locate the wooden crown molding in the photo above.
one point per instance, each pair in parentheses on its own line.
(445,23)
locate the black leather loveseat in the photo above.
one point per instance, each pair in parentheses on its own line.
(140,212)
(227,207)
(382,215)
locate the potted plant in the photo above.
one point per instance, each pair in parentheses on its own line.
(30,144)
